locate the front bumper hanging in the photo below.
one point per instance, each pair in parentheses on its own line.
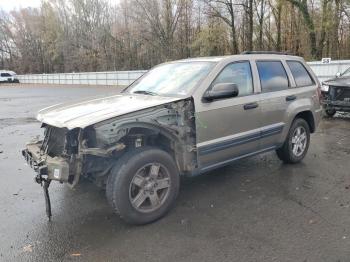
(54,168)
(47,168)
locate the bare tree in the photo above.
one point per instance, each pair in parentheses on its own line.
(304,10)
(94,35)
(162,19)
(225,10)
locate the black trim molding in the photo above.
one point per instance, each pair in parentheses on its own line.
(208,149)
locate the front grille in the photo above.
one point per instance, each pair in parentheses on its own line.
(54,141)
(339,93)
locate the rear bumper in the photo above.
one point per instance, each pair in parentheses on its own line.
(52,168)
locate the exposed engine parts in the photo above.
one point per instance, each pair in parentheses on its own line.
(93,150)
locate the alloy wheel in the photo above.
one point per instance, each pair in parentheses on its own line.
(149,187)
(299,141)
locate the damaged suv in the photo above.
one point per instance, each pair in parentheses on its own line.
(336,94)
(184,117)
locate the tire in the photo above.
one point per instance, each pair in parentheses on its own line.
(139,176)
(330,112)
(286,152)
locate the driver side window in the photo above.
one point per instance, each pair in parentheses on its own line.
(238,73)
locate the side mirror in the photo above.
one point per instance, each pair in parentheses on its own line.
(338,74)
(222,90)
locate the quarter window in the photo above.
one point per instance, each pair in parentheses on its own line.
(272,75)
(301,76)
(238,73)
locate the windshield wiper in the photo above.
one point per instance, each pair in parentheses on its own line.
(145,92)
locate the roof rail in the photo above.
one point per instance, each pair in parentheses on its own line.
(265,52)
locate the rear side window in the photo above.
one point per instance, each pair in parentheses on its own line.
(272,75)
(5,74)
(238,73)
(300,74)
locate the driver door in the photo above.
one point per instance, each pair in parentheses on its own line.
(229,128)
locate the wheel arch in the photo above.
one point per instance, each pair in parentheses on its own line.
(169,140)
(308,116)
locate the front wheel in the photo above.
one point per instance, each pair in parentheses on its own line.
(143,185)
(330,112)
(297,142)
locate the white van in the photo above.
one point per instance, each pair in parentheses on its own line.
(8,77)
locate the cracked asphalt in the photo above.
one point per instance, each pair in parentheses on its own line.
(257,209)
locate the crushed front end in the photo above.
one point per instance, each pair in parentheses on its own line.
(91,151)
(337,98)
(56,156)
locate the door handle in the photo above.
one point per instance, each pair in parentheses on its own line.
(250,106)
(291,98)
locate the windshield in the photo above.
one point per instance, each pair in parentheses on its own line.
(346,73)
(173,79)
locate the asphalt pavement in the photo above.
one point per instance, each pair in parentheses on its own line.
(257,209)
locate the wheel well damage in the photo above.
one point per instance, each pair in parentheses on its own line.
(170,127)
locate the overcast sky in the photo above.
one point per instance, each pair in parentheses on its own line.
(8,5)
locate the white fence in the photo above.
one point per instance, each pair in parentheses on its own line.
(119,78)
(122,78)
(327,71)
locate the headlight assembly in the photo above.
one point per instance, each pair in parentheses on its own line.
(325,88)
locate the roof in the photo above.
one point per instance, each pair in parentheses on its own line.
(7,71)
(265,53)
(203,59)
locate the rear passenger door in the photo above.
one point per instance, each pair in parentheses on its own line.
(275,96)
(284,84)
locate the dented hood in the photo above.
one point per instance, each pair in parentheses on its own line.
(83,114)
(340,82)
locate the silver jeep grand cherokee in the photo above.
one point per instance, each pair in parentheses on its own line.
(185,117)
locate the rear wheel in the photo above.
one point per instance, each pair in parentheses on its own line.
(297,143)
(143,185)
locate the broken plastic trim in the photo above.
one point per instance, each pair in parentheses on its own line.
(47,198)
(45,183)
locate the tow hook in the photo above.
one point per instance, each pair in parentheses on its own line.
(45,183)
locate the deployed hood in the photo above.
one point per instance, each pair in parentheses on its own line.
(83,114)
(340,81)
